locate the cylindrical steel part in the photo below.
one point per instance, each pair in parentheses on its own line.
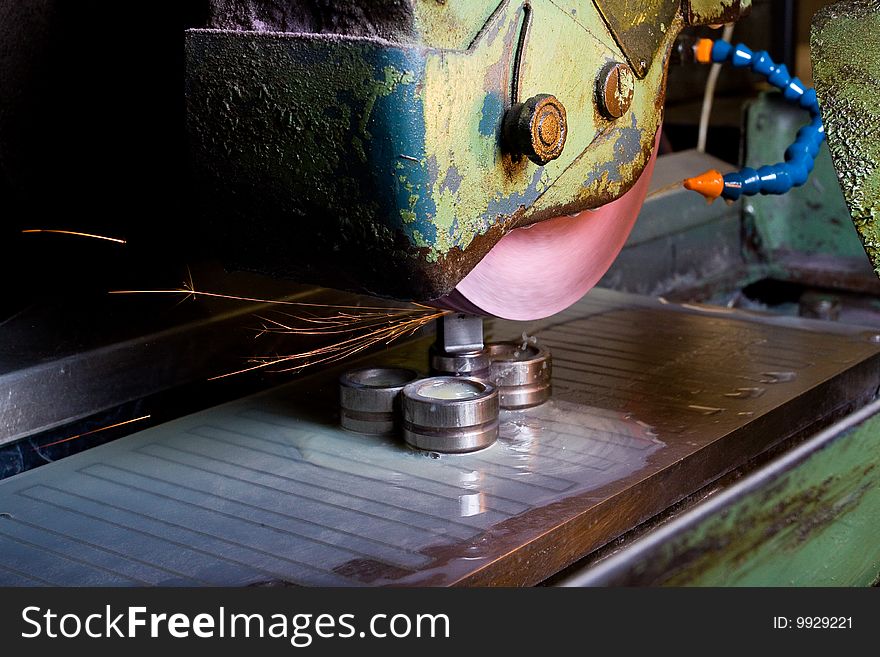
(369,399)
(521,373)
(450,414)
(469,363)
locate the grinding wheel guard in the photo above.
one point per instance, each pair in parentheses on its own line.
(540,270)
(358,163)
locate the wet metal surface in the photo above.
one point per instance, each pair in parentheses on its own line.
(650,403)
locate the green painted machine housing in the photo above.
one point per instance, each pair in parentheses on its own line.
(846,68)
(374,166)
(809,220)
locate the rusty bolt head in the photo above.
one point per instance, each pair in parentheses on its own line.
(536,128)
(614,88)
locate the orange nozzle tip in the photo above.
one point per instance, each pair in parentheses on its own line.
(709,184)
(703,51)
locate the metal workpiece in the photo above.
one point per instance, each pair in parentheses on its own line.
(614,89)
(522,373)
(450,414)
(536,129)
(458,349)
(467,363)
(459,333)
(369,399)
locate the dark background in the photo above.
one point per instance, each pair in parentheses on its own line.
(92,139)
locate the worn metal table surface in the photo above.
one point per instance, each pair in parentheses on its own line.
(651,402)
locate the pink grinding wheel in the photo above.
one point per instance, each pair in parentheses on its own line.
(540,270)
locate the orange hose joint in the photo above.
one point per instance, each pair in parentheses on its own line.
(703,51)
(709,184)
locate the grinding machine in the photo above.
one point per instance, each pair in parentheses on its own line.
(604,378)
(398,157)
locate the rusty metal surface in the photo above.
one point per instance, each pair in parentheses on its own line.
(651,402)
(713,12)
(807,519)
(614,89)
(639,28)
(846,61)
(359,163)
(536,129)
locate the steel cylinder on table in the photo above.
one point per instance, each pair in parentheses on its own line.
(369,399)
(522,374)
(450,414)
(467,363)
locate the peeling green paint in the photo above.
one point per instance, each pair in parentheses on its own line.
(814,526)
(710,12)
(627,145)
(381,88)
(491,114)
(358,143)
(846,62)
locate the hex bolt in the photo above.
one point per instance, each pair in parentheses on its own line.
(536,128)
(615,87)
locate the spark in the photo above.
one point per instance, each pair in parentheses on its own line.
(364,331)
(189,289)
(353,328)
(88,433)
(75,233)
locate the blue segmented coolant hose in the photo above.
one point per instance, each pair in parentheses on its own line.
(800,157)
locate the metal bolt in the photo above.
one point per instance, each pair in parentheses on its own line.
(614,89)
(536,128)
